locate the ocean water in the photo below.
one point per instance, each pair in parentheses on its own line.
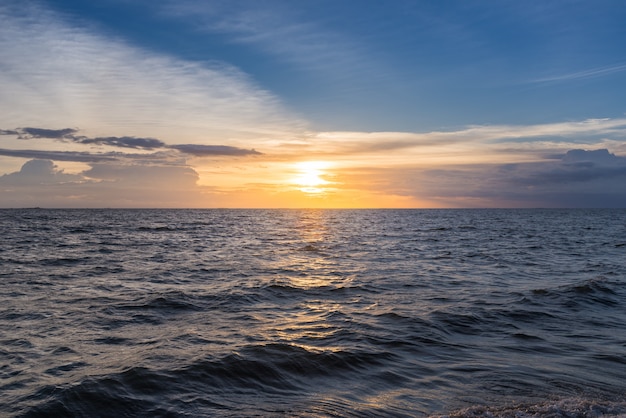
(312,313)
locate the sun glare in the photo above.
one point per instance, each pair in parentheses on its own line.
(310,176)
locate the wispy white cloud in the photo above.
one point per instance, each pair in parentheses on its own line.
(286,33)
(53,72)
(471,142)
(584,74)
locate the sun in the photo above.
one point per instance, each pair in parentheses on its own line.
(309,177)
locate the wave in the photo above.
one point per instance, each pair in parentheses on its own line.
(287,289)
(64,261)
(564,408)
(595,291)
(167,302)
(264,370)
(274,313)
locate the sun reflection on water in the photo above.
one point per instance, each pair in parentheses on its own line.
(306,268)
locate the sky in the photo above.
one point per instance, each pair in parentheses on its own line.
(312,103)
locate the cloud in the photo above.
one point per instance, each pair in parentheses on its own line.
(69,135)
(577,168)
(275,28)
(298,37)
(211,150)
(122,142)
(28,133)
(576,178)
(41,183)
(470,166)
(55,69)
(76,156)
(472,142)
(580,178)
(590,73)
(38,168)
(599,156)
(38,172)
(157,177)
(487,144)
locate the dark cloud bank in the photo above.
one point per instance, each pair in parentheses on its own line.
(578,178)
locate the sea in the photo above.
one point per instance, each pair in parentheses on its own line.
(312,313)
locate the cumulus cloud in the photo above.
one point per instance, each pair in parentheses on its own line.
(576,167)
(160,178)
(41,183)
(595,157)
(38,172)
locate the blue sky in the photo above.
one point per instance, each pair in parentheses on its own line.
(395,65)
(333,79)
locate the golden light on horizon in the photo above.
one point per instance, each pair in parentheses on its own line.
(310,176)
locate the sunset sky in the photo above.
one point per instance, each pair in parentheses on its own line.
(312,103)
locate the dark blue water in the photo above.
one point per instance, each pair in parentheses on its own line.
(312,313)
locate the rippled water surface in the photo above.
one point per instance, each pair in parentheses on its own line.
(312,313)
